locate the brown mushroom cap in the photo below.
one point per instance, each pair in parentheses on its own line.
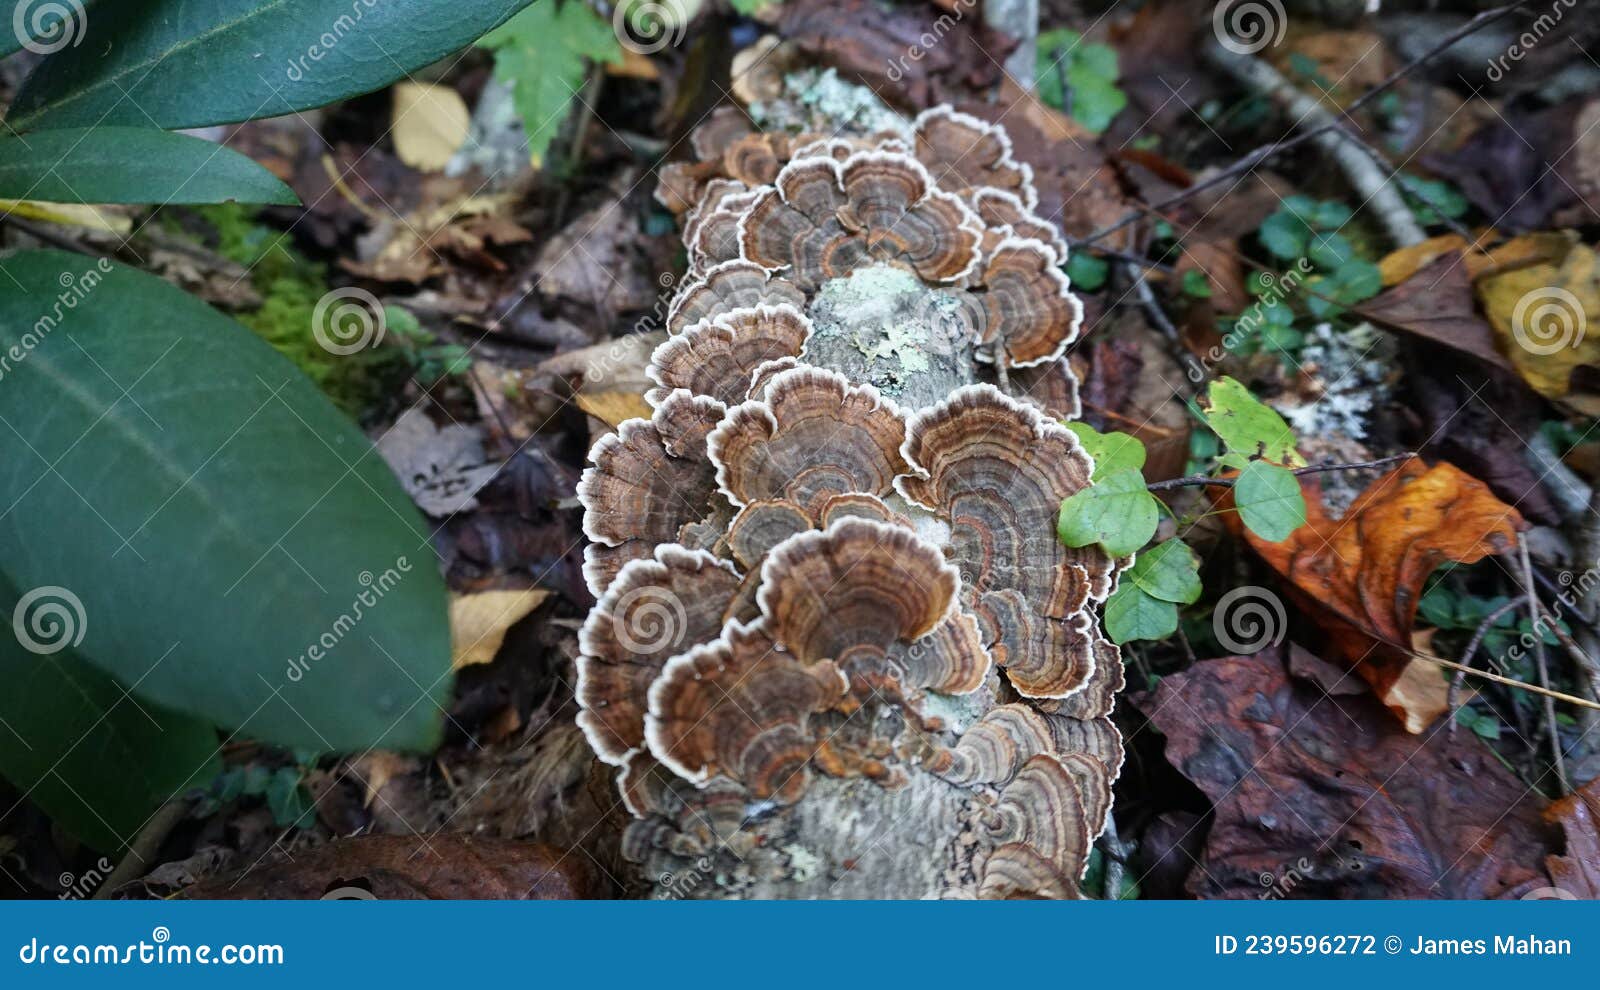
(1029,309)
(824,218)
(729,286)
(717,357)
(962,152)
(760,526)
(649,478)
(851,592)
(717,133)
(713,236)
(997,471)
(812,435)
(1004,216)
(755,159)
(1042,809)
(1051,385)
(653,611)
(740,706)
(681,185)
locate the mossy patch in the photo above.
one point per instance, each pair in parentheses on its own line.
(290,286)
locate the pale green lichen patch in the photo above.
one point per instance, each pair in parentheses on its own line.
(819,101)
(882,326)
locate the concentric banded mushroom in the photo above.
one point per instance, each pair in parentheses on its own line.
(858,519)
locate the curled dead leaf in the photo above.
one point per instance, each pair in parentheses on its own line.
(1318,794)
(1360,576)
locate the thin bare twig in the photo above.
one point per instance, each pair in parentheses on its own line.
(1544,670)
(1454,700)
(1205,480)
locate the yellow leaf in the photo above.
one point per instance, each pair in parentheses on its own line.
(614,407)
(479,621)
(1546,314)
(70,214)
(430,124)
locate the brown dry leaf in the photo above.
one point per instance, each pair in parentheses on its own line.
(1355,61)
(1360,577)
(613,407)
(1436,303)
(459,227)
(479,622)
(1578,814)
(1317,795)
(409,868)
(1546,317)
(430,124)
(1223,271)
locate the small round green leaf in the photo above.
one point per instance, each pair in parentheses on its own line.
(1112,451)
(1247,425)
(1132,614)
(1115,512)
(1269,500)
(1169,571)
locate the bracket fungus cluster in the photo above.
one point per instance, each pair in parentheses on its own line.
(837,649)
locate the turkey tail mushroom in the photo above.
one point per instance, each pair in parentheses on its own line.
(849,487)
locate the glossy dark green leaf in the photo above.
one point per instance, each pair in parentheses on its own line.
(201,62)
(241,551)
(131,165)
(73,741)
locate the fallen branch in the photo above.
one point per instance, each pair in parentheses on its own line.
(1370,181)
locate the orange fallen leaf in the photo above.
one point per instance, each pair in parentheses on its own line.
(1360,577)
